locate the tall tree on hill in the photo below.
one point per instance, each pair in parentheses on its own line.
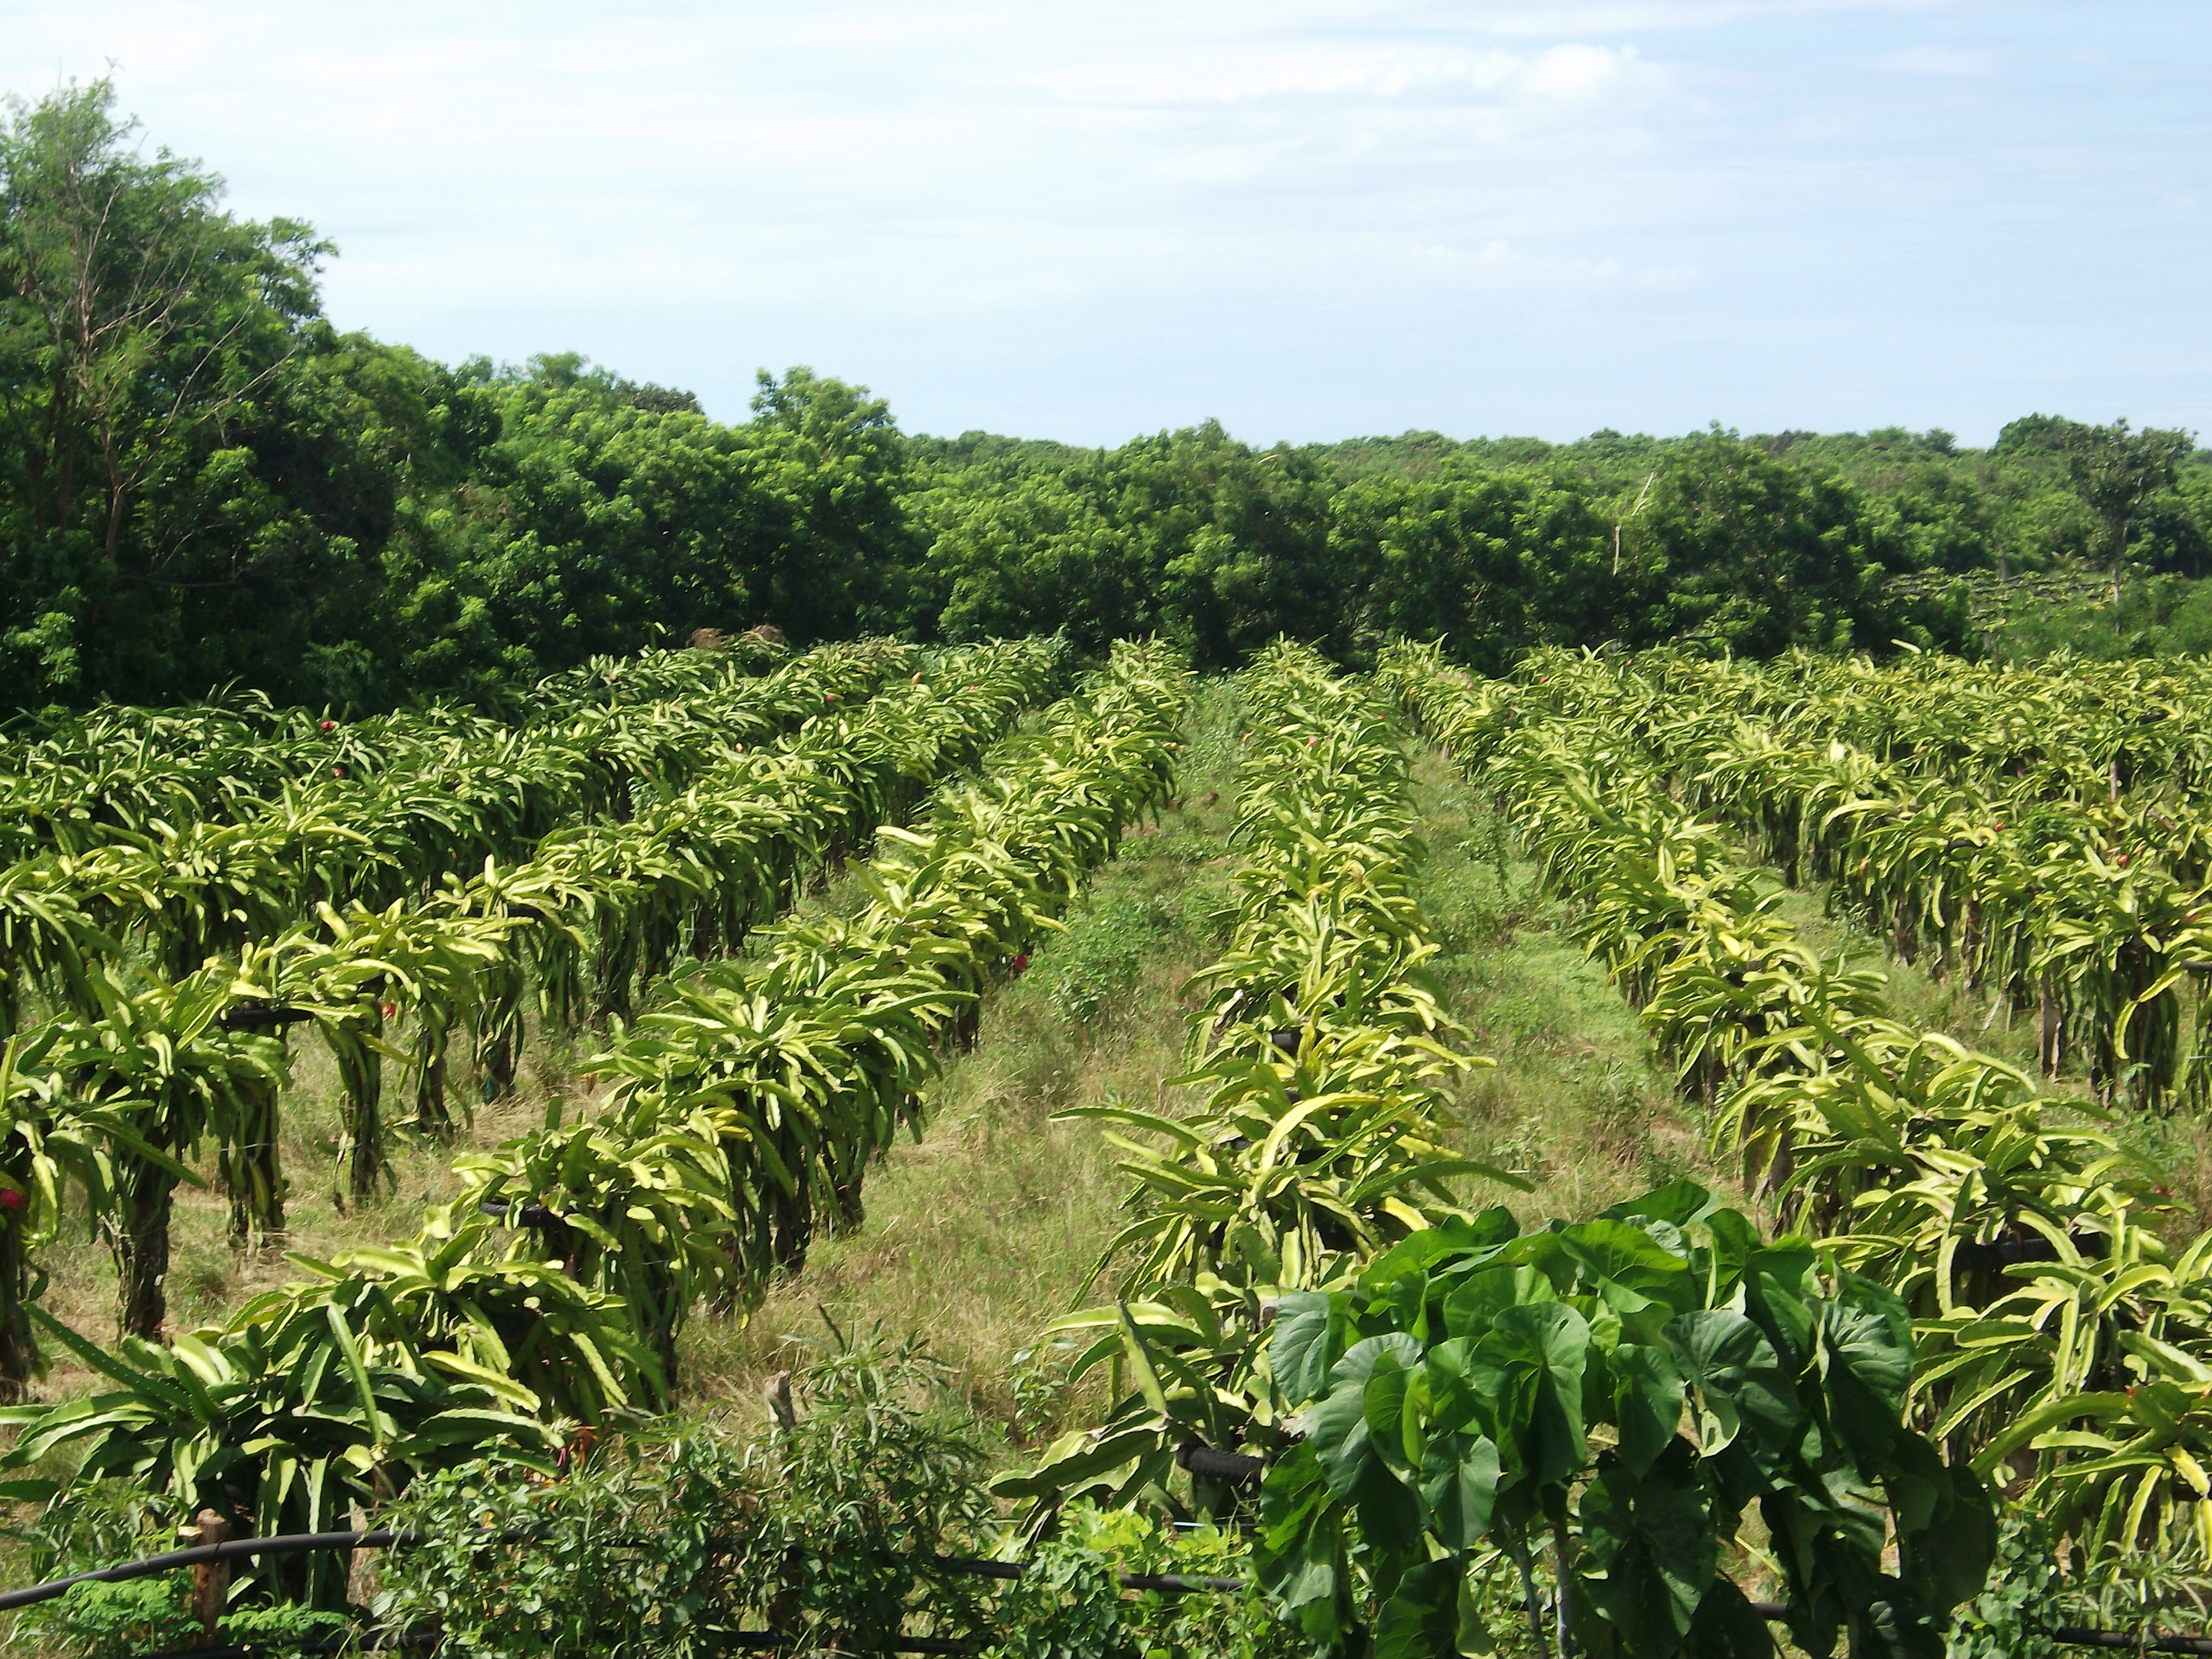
(139,324)
(2115,472)
(837,550)
(1740,552)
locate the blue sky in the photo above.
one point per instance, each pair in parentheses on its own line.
(1311,221)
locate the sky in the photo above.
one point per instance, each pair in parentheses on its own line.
(1309,222)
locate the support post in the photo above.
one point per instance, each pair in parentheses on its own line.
(211,1581)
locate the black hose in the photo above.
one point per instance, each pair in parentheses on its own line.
(251,1018)
(2071,1636)
(238,1549)
(296,1543)
(1236,1469)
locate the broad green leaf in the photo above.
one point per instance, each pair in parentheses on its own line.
(1299,1349)
(1529,1367)
(1647,1402)
(1654,1547)
(1420,1618)
(1459,1482)
(1727,1627)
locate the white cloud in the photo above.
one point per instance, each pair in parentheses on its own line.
(1501,265)
(1580,73)
(1090,220)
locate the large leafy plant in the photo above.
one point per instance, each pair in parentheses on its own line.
(1618,1392)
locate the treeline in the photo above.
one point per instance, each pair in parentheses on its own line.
(203,481)
(1224,546)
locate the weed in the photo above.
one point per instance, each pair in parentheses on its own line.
(1039,1387)
(1096,960)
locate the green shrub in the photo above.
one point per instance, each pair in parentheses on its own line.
(120,1621)
(1105,947)
(667,1542)
(1211,1624)
(2018,1608)
(92,1524)
(616,1555)
(153,1615)
(1065,1605)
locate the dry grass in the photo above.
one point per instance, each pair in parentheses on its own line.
(981,1233)
(209,1279)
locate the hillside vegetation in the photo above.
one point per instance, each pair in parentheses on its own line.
(204,482)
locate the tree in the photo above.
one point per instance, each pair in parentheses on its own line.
(1030,551)
(593,524)
(1448,558)
(2115,472)
(1739,551)
(836,550)
(1189,533)
(143,333)
(1255,563)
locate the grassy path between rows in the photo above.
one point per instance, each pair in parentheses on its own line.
(1577,1103)
(980,1235)
(983,1231)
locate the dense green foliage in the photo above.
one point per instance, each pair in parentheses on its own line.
(687,1538)
(202,481)
(1475,1387)
(672,1541)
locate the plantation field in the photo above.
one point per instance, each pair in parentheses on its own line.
(891,1102)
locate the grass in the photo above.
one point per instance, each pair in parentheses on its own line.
(981,1232)
(980,1235)
(1577,1103)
